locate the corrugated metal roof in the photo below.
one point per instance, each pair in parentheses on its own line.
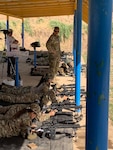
(41,8)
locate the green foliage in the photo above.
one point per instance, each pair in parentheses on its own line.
(111,111)
(112,45)
(65,30)
(39,20)
(85,28)
(14,23)
(28,28)
(85,57)
(2,25)
(112,28)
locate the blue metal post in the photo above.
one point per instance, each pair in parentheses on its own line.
(7,23)
(7,27)
(17,82)
(35,55)
(22,33)
(78,51)
(74,41)
(99,43)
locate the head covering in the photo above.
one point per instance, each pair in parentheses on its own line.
(35,108)
(49,76)
(10,30)
(46,100)
(52,96)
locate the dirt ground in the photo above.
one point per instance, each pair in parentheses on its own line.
(24,70)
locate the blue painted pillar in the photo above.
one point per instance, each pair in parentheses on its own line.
(7,23)
(17,82)
(22,33)
(7,27)
(74,41)
(35,57)
(98,64)
(78,51)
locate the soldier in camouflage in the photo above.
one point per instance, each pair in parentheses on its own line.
(26,94)
(8,112)
(21,119)
(19,122)
(53,47)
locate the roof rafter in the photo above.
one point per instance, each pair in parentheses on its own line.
(40,8)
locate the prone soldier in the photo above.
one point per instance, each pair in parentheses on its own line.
(26,94)
(20,121)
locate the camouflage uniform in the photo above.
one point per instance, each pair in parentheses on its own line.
(53,44)
(26,98)
(20,122)
(17,125)
(8,112)
(14,127)
(23,94)
(49,98)
(61,71)
(16,90)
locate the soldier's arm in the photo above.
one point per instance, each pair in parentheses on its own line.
(44,116)
(3,110)
(50,45)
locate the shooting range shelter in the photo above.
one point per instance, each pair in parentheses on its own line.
(98,15)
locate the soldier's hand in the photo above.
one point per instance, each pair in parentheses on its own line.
(33,125)
(33,131)
(52,112)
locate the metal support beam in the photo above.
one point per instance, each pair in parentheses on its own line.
(22,33)
(78,51)
(98,64)
(17,81)
(7,23)
(35,57)
(74,41)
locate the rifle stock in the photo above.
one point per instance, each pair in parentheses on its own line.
(62,105)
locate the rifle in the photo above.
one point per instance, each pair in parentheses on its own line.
(66,104)
(49,127)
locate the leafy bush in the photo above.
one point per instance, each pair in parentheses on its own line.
(112,28)
(111,111)
(85,28)
(2,25)
(28,28)
(65,30)
(14,23)
(39,20)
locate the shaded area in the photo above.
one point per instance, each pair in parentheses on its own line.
(13,143)
(17,143)
(110,144)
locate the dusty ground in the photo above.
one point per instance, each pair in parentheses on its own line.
(24,70)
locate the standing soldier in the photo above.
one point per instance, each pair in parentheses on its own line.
(53,46)
(11,59)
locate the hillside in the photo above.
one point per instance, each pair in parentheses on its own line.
(39,29)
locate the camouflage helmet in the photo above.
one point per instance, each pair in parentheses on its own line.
(10,31)
(52,96)
(35,108)
(46,100)
(50,76)
(63,65)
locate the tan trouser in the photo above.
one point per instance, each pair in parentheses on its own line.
(53,64)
